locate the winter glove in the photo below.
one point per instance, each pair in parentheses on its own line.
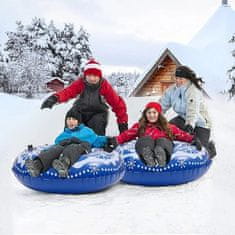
(122,127)
(197,143)
(72,140)
(49,102)
(188,128)
(65,142)
(75,140)
(111,144)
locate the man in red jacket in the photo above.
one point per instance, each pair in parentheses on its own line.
(92,92)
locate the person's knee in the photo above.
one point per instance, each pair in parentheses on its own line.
(143,142)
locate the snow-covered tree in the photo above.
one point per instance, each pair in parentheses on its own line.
(231,72)
(123,82)
(17,42)
(64,50)
(28,74)
(71,50)
(3,74)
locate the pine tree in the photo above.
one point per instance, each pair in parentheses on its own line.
(123,82)
(64,50)
(3,74)
(17,42)
(231,72)
(72,48)
(28,74)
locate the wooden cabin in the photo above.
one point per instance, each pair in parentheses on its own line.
(155,81)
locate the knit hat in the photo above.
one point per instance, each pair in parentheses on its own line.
(92,67)
(72,113)
(184,72)
(154,105)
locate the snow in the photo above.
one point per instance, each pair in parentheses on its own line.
(205,206)
(209,53)
(212,41)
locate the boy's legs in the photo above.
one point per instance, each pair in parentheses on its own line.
(69,156)
(44,161)
(97,122)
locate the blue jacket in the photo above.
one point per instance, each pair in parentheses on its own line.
(83,133)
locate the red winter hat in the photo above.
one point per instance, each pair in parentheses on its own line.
(154,105)
(92,67)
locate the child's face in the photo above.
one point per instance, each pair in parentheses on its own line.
(92,79)
(152,115)
(71,122)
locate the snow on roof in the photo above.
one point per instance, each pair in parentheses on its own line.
(55,78)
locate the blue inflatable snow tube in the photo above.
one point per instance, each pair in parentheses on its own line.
(92,172)
(187,164)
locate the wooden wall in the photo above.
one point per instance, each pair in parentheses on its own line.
(160,80)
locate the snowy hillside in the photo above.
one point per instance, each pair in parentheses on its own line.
(209,51)
(214,49)
(205,206)
(223,20)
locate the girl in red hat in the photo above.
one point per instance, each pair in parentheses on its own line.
(92,93)
(155,136)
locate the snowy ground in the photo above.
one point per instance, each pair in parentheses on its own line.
(205,206)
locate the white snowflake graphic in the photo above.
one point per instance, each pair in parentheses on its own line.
(131,163)
(94,170)
(182,163)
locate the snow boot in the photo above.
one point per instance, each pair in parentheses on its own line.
(211,149)
(61,165)
(160,156)
(147,157)
(34,167)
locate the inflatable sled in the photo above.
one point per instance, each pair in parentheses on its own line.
(187,164)
(92,172)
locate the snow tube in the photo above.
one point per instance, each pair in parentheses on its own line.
(92,172)
(187,164)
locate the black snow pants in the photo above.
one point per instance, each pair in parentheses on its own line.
(145,141)
(71,151)
(203,134)
(96,121)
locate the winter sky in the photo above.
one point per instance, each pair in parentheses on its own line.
(122,32)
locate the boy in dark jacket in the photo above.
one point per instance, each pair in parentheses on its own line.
(75,140)
(93,92)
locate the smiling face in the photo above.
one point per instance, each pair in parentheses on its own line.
(92,79)
(152,115)
(71,122)
(180,81)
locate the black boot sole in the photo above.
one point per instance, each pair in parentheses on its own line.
(60,168)
(160,156)
(30,166)
(148,157)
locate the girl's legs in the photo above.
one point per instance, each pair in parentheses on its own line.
(144,147)
(163,150)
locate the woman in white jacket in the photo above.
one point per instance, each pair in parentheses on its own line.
(186,99)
